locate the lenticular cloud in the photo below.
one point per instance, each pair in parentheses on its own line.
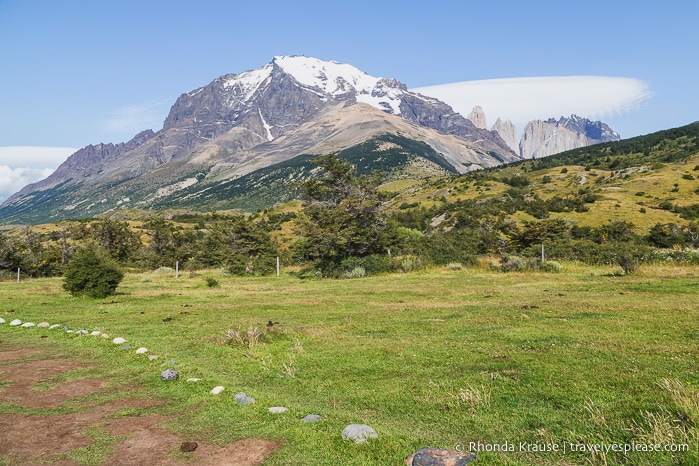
(524,99)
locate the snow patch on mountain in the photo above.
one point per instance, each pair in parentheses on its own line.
(338,79)
(248,82)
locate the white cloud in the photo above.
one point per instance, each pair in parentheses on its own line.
(22,165)
(34,157)
(524,99)
(14,179)
(132,119)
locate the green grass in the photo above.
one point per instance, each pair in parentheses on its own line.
(437,358)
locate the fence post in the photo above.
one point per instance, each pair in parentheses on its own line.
(177,269)
(277,266)
(17,274)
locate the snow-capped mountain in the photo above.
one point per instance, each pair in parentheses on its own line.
(240,123)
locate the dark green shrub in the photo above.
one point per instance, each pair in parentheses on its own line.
(211,282)
(371,265)
(92,273)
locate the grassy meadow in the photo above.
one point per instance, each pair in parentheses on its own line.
(436,358)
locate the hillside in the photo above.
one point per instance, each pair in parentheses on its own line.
(644,180)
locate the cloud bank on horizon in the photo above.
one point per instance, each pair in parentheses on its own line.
(521,100)
(23,165)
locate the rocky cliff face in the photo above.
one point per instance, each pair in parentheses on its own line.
(235,120)
(477,117)
(544,138)
(508,133)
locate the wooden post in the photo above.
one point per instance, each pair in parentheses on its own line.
(177,269)
(277,266)
(17,274)
(542,253)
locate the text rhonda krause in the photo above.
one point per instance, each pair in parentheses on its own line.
(571,447)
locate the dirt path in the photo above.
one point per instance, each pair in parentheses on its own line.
(29,439)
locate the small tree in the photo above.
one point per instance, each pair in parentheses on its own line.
(343,217)
(92,273)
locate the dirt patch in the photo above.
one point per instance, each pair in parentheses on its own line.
(132,440)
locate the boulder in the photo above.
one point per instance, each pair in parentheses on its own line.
(311,418)
(216,390)
(169,374)
(15,323)
(439,457)
(243,399)
(359,433)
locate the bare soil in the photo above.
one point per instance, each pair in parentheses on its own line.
(27,380)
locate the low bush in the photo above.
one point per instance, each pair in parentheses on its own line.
(92,273)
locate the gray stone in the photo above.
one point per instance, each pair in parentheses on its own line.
(43,325)
(28,324)
(2,321)
(359,433)
(81,332)
(152,357)
(15,323)
(439,457)
(277,409)
(54,326)
(127,347)
(311,418)
(169,374)
(243,399)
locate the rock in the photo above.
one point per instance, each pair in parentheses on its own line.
(216,390)
(119,341)
(43,325)
(54,326)
(508,133)
(104,335)
(169,374)
(477,117)
(311,418)
(544,138)
(2,321)
(277,409)
(186,447)
(15,323)
(127,347)
(243,399)
(359,433)
(141,350)
(28,324)
(152,357)
(196,379)
(70,331)
(81,332)
(96,333)
(439,457)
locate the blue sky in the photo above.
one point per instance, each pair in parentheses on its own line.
(75,72)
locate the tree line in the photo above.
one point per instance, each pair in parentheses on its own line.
(345,229)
